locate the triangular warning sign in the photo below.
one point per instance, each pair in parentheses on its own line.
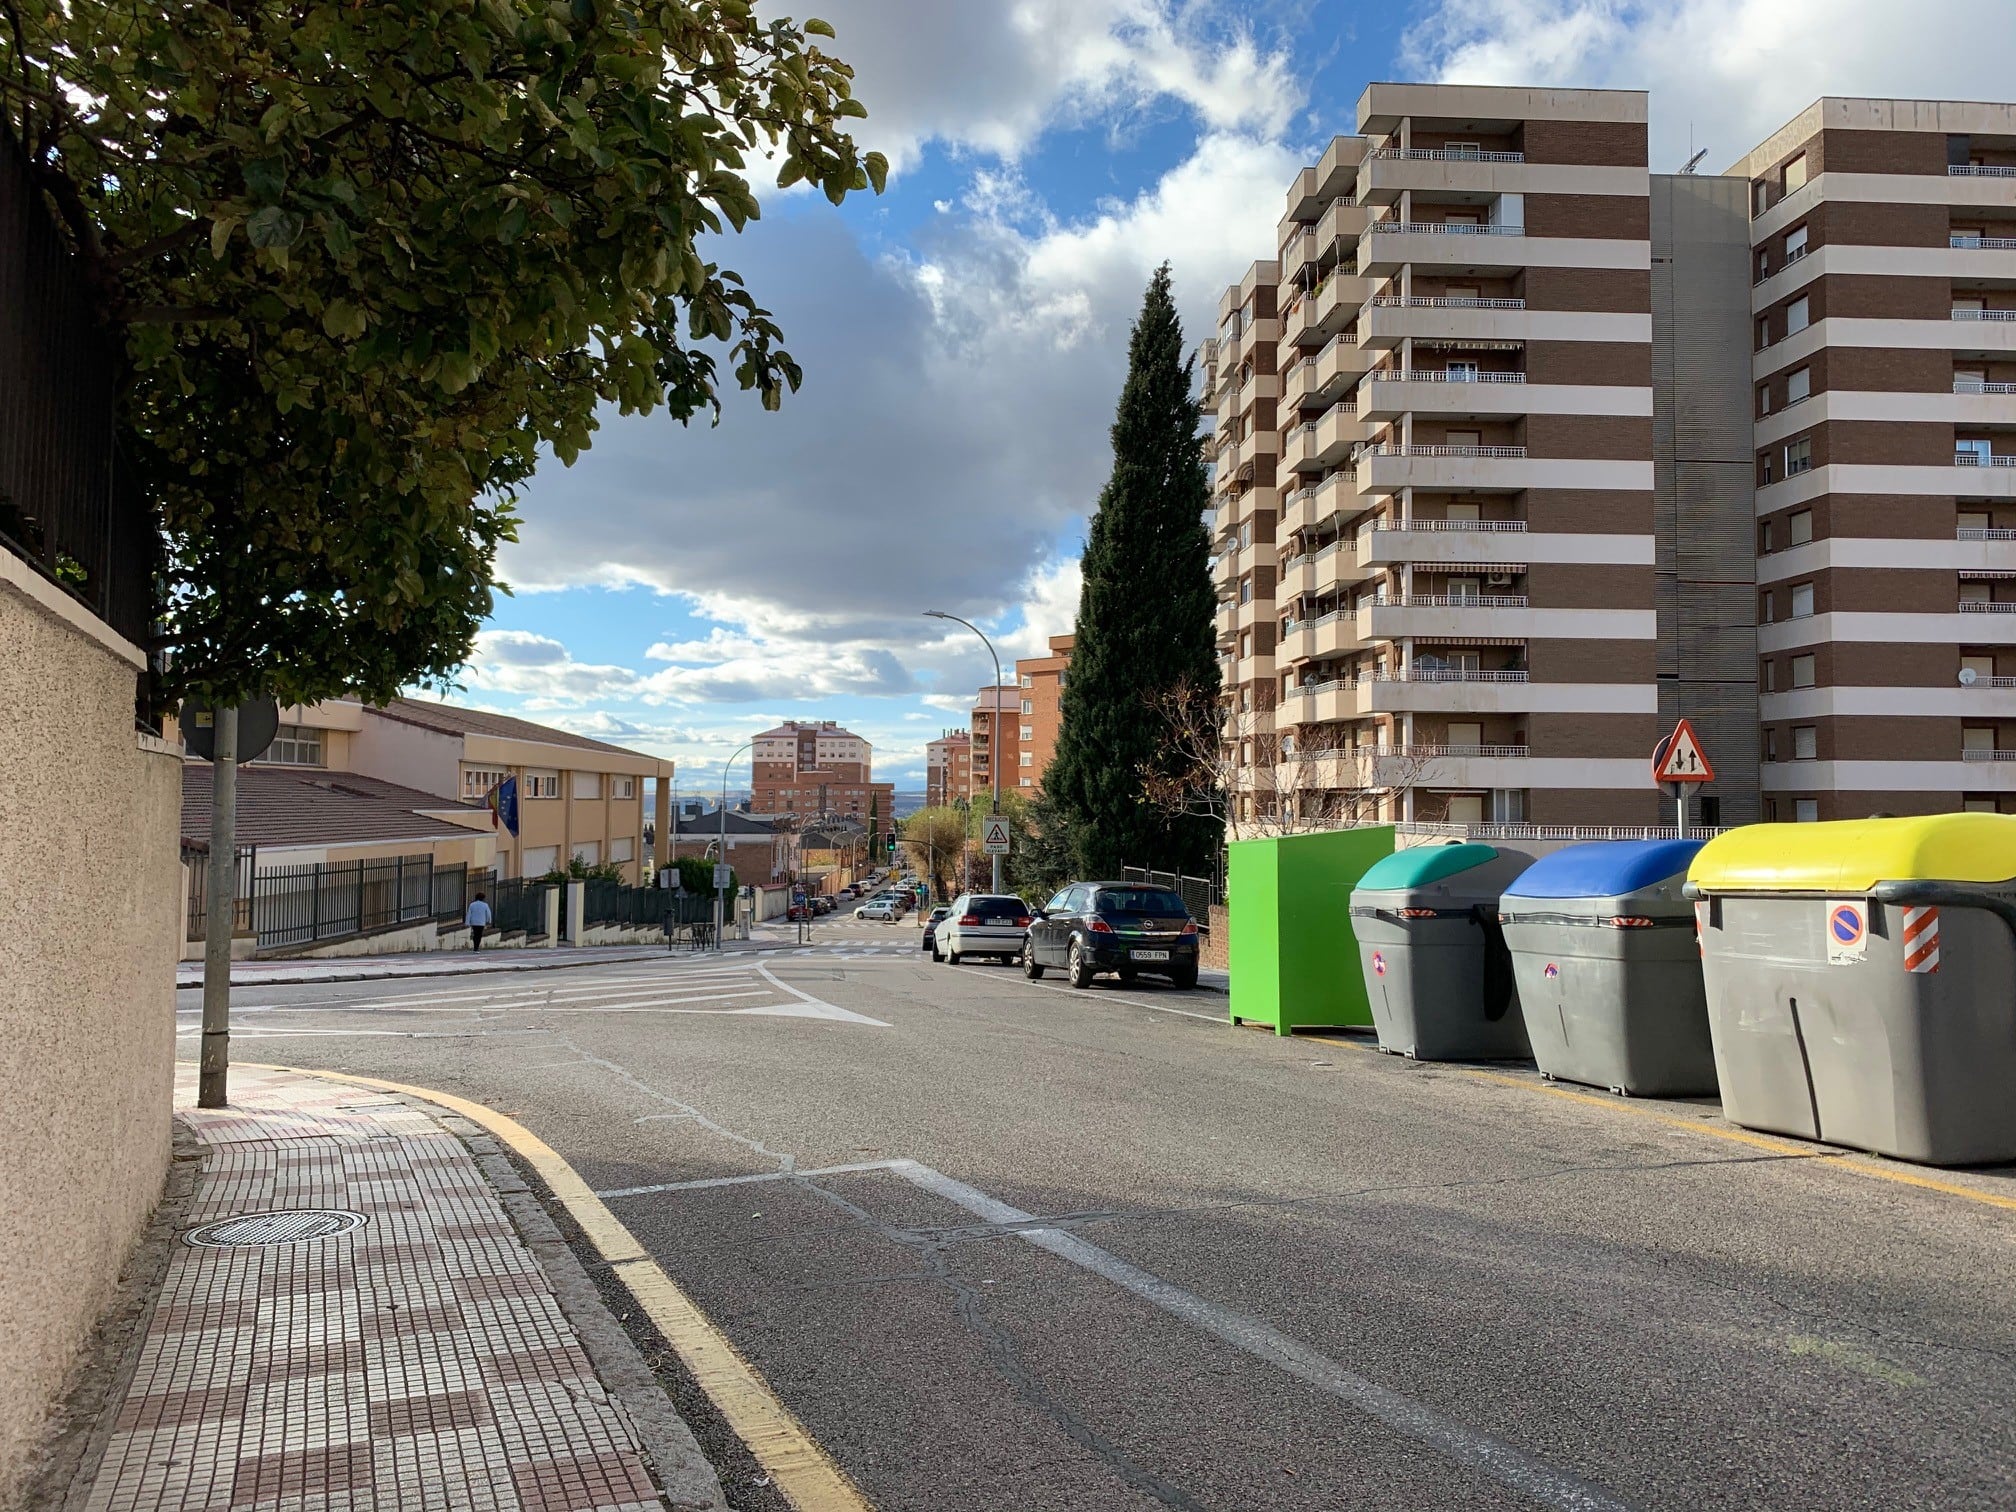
(1683,760)
(997,832)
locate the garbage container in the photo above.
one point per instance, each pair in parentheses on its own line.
(1861,980)
(1608,972)
(1436,970)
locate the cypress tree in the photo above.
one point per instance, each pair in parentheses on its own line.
(1144,616)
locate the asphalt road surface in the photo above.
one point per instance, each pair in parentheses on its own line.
(1007,1247)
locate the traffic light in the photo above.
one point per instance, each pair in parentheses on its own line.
(892,844)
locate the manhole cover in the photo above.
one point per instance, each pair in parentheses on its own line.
(290,1227)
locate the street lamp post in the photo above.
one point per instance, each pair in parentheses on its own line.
(994,733)
(747,745)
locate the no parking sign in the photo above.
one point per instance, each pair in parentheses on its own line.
(1847,933)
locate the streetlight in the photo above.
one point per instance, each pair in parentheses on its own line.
(994,733)
(747,745)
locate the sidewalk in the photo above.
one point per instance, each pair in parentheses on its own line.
(432,963)
(421,1360)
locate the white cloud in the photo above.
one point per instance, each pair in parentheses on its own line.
(1724,74)
(539,668)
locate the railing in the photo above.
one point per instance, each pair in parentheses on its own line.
(1550,831)
(1460,752)
(617,903)
(1445,155)
(1991,682)
(1443,228)
(1440,375)
(1198,893)
(1979,170)
(299,905)
(1984,533)
(1450,674)
(1988,755)
(197,859)
(1487,526)
(1442,302)
(518,906)
(1456,601)
(1390,450)
(1983,243)
(1978,459)
(68,504)
(1982,385)
(1984,314)
(1986,606)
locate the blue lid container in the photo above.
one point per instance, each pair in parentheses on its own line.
(1605,868)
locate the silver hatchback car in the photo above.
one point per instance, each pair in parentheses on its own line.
(982,924)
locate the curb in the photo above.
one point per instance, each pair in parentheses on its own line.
(367,974)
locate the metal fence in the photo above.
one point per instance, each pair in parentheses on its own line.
(1198,893)
(618,903)
(299,905)
(197,860)
(518,905)
(67,503)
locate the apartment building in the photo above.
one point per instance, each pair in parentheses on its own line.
(1040,681)
(576,796)
(948,769)
(996,739)
(813,768)
(1883,245)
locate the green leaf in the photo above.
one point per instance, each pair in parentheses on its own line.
(877,167)
(273,227)
(817,28)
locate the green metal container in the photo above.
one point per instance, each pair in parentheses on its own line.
(1294,958)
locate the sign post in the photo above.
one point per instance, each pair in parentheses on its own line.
(994,835)
(1677,764)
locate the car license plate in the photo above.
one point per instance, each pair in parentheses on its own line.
(1148,955)
(1000,923)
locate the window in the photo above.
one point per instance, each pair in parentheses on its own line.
(1763,264)
(1798,315)
(1798,456)
(1465,439)
(1763,332)
(1975,593)
(1460,372)
(1975,742)
(1462,149)
(1983,667)
(1966,309)
(1805,742)
(1802,601)
(1805,810)
(1028,732)
(1245,590)
(1245,644)
(539,860)
(1760,197)
(1767,608)
(1770,677)
(1711,813)
(587,785)
(1802,670)
(1969,380)
(477,781)
(295,745)
(1770,745)
(1798,385)
(1028,707)
(1795,244)
(1028,782)
(1971,453)
(540,785)
(1764,538)
(1801,525)
(1508,805)
(1465,808)
(589,853)
(623,787)
(622,849)
(1795,174)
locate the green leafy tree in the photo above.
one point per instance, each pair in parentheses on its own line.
(1042,858)
(696,875)
(1144,617)
(580,869)
(369,260)
(934,839)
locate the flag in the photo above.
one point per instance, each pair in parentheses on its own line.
(503,800)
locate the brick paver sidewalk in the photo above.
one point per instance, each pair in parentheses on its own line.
(419,1361)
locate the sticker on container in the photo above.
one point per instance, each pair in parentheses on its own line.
(1847,933)
(1378,963)
(1701,925)
(1551,971)
(1921,940)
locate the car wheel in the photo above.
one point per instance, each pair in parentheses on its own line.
(952,956)
(1184,976)
(1030,968)
(1129,976)
(1080,968)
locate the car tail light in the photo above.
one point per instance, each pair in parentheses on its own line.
(972,920)
(1022,922)
(1189,926)
(1100,926)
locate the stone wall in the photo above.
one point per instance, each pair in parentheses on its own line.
(1217,940)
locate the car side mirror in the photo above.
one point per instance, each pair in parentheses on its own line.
(1039,913)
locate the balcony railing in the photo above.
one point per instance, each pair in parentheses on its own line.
(1445,155)
(1978,459)
(1488,526)
(1454,601)
(1984,533)
(1462,831)
(1983,243)
(1440,375)
(1458,751)
(1416,450)
(1979,170)
(1452,674)
(1984,314)
(1441,302)
(1988,755)
(1991,682)
(1456,228)
(1987,606)
(1982,386)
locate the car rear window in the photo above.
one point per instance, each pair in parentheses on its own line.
(1155,902)
(998,906)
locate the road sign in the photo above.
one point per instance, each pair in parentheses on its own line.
(1847,933)
(994,836)
(1681,759)
(723,875)
(258,723)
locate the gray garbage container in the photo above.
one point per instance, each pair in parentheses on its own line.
(1607,967)
(1436,970)
(1861,981)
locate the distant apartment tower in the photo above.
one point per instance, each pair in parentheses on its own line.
(996,725)
(1883,244)
(948,769)
(813,768)
(1040,714)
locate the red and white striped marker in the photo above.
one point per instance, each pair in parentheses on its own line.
(1701,925)
(1921,939)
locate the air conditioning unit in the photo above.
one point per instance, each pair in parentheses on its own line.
(1498,580)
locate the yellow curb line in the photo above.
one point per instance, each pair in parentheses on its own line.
(789,1455)
(1839,1160)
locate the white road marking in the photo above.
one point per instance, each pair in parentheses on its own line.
(725,1181)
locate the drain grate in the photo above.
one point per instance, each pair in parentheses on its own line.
(289,1227)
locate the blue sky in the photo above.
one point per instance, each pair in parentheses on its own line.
(963,335)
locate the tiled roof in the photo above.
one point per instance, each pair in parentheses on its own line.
(451,720)
(282,806)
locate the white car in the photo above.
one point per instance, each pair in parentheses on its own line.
(887,913)
(982,924)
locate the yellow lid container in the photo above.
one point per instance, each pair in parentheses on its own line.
(1853,855)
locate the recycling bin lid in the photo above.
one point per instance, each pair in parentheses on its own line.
(1604,868)
(1853,855)
(1423,865)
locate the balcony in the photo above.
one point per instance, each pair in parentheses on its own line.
(1323,443)
(1433,171)
(1390,392)
(1388,246)
(1435,615)
(1983,243)
(1987,606)
(1447,469)
(1387,318)
(1466,543)
(1979,170)
(1327,635)
(1980,459)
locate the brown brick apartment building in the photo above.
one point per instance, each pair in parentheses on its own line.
(814,768)
(948,769)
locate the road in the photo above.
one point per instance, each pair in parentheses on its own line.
(1268,1273)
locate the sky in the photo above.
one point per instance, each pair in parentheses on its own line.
(964,334)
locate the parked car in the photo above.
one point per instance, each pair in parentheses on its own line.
(931,923)
(822,905)
(981,924)
(878,911)
(1121,927)
(798,911)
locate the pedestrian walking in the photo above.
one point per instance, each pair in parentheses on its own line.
(478,920)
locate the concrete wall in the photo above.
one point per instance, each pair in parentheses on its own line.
(90,889)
